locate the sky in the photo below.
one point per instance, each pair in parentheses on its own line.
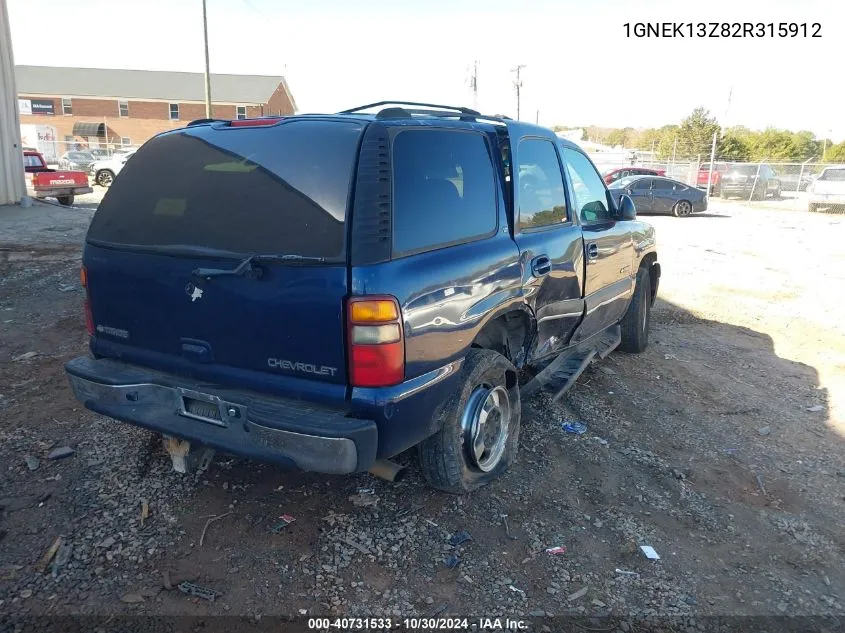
(579,66)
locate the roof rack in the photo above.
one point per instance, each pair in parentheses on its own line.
(412,103)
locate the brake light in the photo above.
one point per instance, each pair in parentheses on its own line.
(255,122)
(86,304)
(376,342)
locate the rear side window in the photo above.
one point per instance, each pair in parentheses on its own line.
(444,189)
(663,185)
(837,175)
(542,200)
(272,190)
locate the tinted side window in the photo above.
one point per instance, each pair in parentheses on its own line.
(641,185)
(444,189)
(542,199)
(591,199)
(663,185)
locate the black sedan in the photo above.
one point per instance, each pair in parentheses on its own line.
(661,195)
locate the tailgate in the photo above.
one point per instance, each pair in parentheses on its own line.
(59,179)
(287,322)
(210,197)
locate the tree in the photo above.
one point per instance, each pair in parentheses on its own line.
(617,137)
(695,136)
(732,147)
(666,142)
(835,153)
(774,144)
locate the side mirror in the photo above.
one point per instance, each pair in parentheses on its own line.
(627,208)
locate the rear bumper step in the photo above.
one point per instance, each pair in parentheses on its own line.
(289,432)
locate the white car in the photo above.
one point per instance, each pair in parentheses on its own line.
(105,171)
(827,190)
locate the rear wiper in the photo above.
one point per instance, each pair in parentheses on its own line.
(247,268)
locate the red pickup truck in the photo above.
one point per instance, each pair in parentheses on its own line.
(715,181)
(43,182)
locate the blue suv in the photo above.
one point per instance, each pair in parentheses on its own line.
(328,291)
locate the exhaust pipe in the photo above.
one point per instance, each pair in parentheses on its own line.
(386,469)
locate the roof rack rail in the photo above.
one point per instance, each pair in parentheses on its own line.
(412,103)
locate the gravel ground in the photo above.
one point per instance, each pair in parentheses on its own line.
(721,447)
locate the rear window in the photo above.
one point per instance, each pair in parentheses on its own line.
(833,174)
(444,189)
(267,190)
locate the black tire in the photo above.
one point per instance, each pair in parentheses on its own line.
(65,200)
(777,194)
(636,321)
(104,177)
(446,458)
(682,209)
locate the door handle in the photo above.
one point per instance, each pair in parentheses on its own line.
(541,266)
(592,250)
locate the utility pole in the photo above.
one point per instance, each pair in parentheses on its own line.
(517,84)
(473,84)
(207,71)
(674,147)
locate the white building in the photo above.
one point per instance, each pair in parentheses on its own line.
(12,185)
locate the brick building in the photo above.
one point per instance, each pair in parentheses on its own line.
(98,107)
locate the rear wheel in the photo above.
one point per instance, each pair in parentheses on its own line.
(65,200)
(636,321)
(682,208)
(479,430)
(104,177)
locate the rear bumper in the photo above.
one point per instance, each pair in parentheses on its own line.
(826,198)
(289,432)
(61,191)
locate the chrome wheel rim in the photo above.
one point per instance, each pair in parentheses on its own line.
(485,423)
(104,179)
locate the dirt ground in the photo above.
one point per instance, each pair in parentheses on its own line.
(722,446)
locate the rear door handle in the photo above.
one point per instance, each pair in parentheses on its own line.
(592,251)
(541,266)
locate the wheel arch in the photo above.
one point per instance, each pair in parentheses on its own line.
(509,332)
(649,262)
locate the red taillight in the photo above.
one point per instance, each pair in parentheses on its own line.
(376,342)
(255,122)
(86,305)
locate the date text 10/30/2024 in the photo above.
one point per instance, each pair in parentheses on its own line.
(417,624)
(722,29)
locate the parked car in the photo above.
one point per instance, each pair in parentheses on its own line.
(76,160)
(99,154)
(661,195)
(749,180)
(828,190)
(328,291)
(612,175)
(793,181)
(105,171)
(715,179)
(43,182)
